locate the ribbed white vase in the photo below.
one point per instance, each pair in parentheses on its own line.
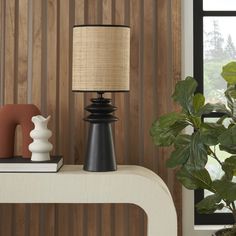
(40,147)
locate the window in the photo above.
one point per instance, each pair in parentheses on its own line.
(214,46)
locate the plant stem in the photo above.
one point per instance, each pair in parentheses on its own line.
(214,156)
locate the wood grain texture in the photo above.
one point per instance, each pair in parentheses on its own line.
(35,66)
(2,29)
(34,226)
(63,216)
(9,52)
(135,128)
(36,76)
(20,93)
(6,217)
(34,89)
(176,70)
(47,219)
(52,75)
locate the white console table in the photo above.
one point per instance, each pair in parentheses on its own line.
(130,184)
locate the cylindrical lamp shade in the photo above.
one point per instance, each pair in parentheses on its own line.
(101,58)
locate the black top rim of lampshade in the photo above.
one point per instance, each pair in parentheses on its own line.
(106,25)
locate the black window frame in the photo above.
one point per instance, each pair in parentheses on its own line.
(198,60)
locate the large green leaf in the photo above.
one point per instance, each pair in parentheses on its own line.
(178,157)
(164,130)
(182,140)
(184,92)
(169,119)
(210,204)
(229,72)
(209,133)
(226,189)
(198,152)
(182,151)
(198,102)
(229,167)
(194,179)
(228,140)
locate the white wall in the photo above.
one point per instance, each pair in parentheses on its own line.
(187,69)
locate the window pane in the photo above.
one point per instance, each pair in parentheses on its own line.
(219,5)
(219,48)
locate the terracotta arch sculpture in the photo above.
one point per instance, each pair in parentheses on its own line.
(10,116)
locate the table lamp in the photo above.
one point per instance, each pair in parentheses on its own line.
(101,63)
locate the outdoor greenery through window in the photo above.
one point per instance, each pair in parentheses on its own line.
(214,46)
(219,48)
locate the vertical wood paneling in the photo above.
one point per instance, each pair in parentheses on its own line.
(176,71)
(22,45)
(79,136)
(2,29)
(7,74)
(48,210)
(6,218)
(19,220)
(134,96)
(135,226)
(64,104)
(163,83)
(64,89)
(21,60)
(35,84)
(107,11)
(2,33)
(34,220)
(9,52)
(52,82)
(62,220)
(47,220)
(148,98)
(36,53)
(35,66)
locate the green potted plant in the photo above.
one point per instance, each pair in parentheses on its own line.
(192,150)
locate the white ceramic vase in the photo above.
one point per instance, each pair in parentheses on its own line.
(40,147)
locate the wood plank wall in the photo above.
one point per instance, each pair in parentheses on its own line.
(35,67)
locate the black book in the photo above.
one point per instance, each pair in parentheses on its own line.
(20,164)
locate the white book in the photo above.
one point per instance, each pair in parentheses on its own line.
(20,164)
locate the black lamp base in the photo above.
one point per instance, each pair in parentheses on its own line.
(100,153)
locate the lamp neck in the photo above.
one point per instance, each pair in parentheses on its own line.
(100,95)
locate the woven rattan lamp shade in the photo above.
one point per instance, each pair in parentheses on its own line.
(101,58)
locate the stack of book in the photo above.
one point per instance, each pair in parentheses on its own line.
(20,164)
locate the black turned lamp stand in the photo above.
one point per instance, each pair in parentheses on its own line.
(101,60)
(100,153)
